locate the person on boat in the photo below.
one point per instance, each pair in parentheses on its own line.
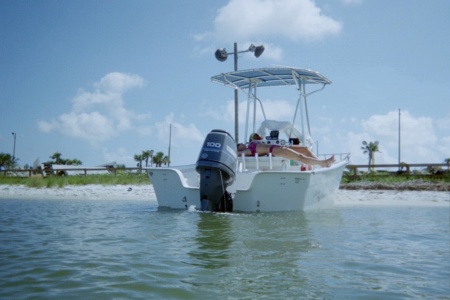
(299,153)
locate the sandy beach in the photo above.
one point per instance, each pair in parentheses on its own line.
(85,192)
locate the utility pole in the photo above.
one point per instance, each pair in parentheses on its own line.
(14,147)
(236,99)
(399,139)
(170,142)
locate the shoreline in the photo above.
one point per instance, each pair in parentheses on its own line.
(353,194)
(147,193)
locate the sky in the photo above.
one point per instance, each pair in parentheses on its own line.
(101,81)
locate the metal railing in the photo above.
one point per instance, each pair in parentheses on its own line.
(354,169)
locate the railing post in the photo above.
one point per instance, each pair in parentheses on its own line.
(243,161)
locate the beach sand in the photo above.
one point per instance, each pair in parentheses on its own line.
(85,192)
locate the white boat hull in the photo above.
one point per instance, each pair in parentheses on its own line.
(253,191)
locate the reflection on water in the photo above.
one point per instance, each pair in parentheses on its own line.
(261,252)
(213,240)
(223,238)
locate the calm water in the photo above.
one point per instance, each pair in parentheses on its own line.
(112,249)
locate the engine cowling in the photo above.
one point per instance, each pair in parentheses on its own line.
(216,165)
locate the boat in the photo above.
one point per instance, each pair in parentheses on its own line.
(222,180)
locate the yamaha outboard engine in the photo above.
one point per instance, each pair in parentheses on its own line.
(216,165)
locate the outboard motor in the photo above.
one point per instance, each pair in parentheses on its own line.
(216,165)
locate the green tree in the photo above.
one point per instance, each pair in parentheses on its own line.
(6,161)
(370,148)
(73,162)
(57,157)
(148,155)
(58,160)
(158,159)
(447,161)
(139,158)
(166,160)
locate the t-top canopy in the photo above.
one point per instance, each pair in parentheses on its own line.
(270,77)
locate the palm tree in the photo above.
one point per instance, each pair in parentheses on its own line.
(139,158)
(166,160)
(57,157)
(158,159)
(447,161)
(148,155)
(60,161)
(370,148)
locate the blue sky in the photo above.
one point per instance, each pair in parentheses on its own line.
(101,81)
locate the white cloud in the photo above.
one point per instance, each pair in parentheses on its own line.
(201,36)
(119,83)
(352,2)
(258,21)
(444,142)
(292,19)
(99,115)
(444,124)
(444,147)
(415,131)
(272,52)
(274,110)
(121,155)
(181,135)
(419,143)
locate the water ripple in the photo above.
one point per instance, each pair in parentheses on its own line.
(122,249)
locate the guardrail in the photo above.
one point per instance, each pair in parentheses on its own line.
(354,169)
(63,171)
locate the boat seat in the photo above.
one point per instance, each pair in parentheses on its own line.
(294,141)
(273,135)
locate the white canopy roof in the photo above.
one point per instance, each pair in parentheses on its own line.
(270,77)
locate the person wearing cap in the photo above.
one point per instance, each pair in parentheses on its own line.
(299,153)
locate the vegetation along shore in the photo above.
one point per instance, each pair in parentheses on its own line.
(397,181)
(409,185)
(62,181)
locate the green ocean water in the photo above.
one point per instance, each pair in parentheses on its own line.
(128,249)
